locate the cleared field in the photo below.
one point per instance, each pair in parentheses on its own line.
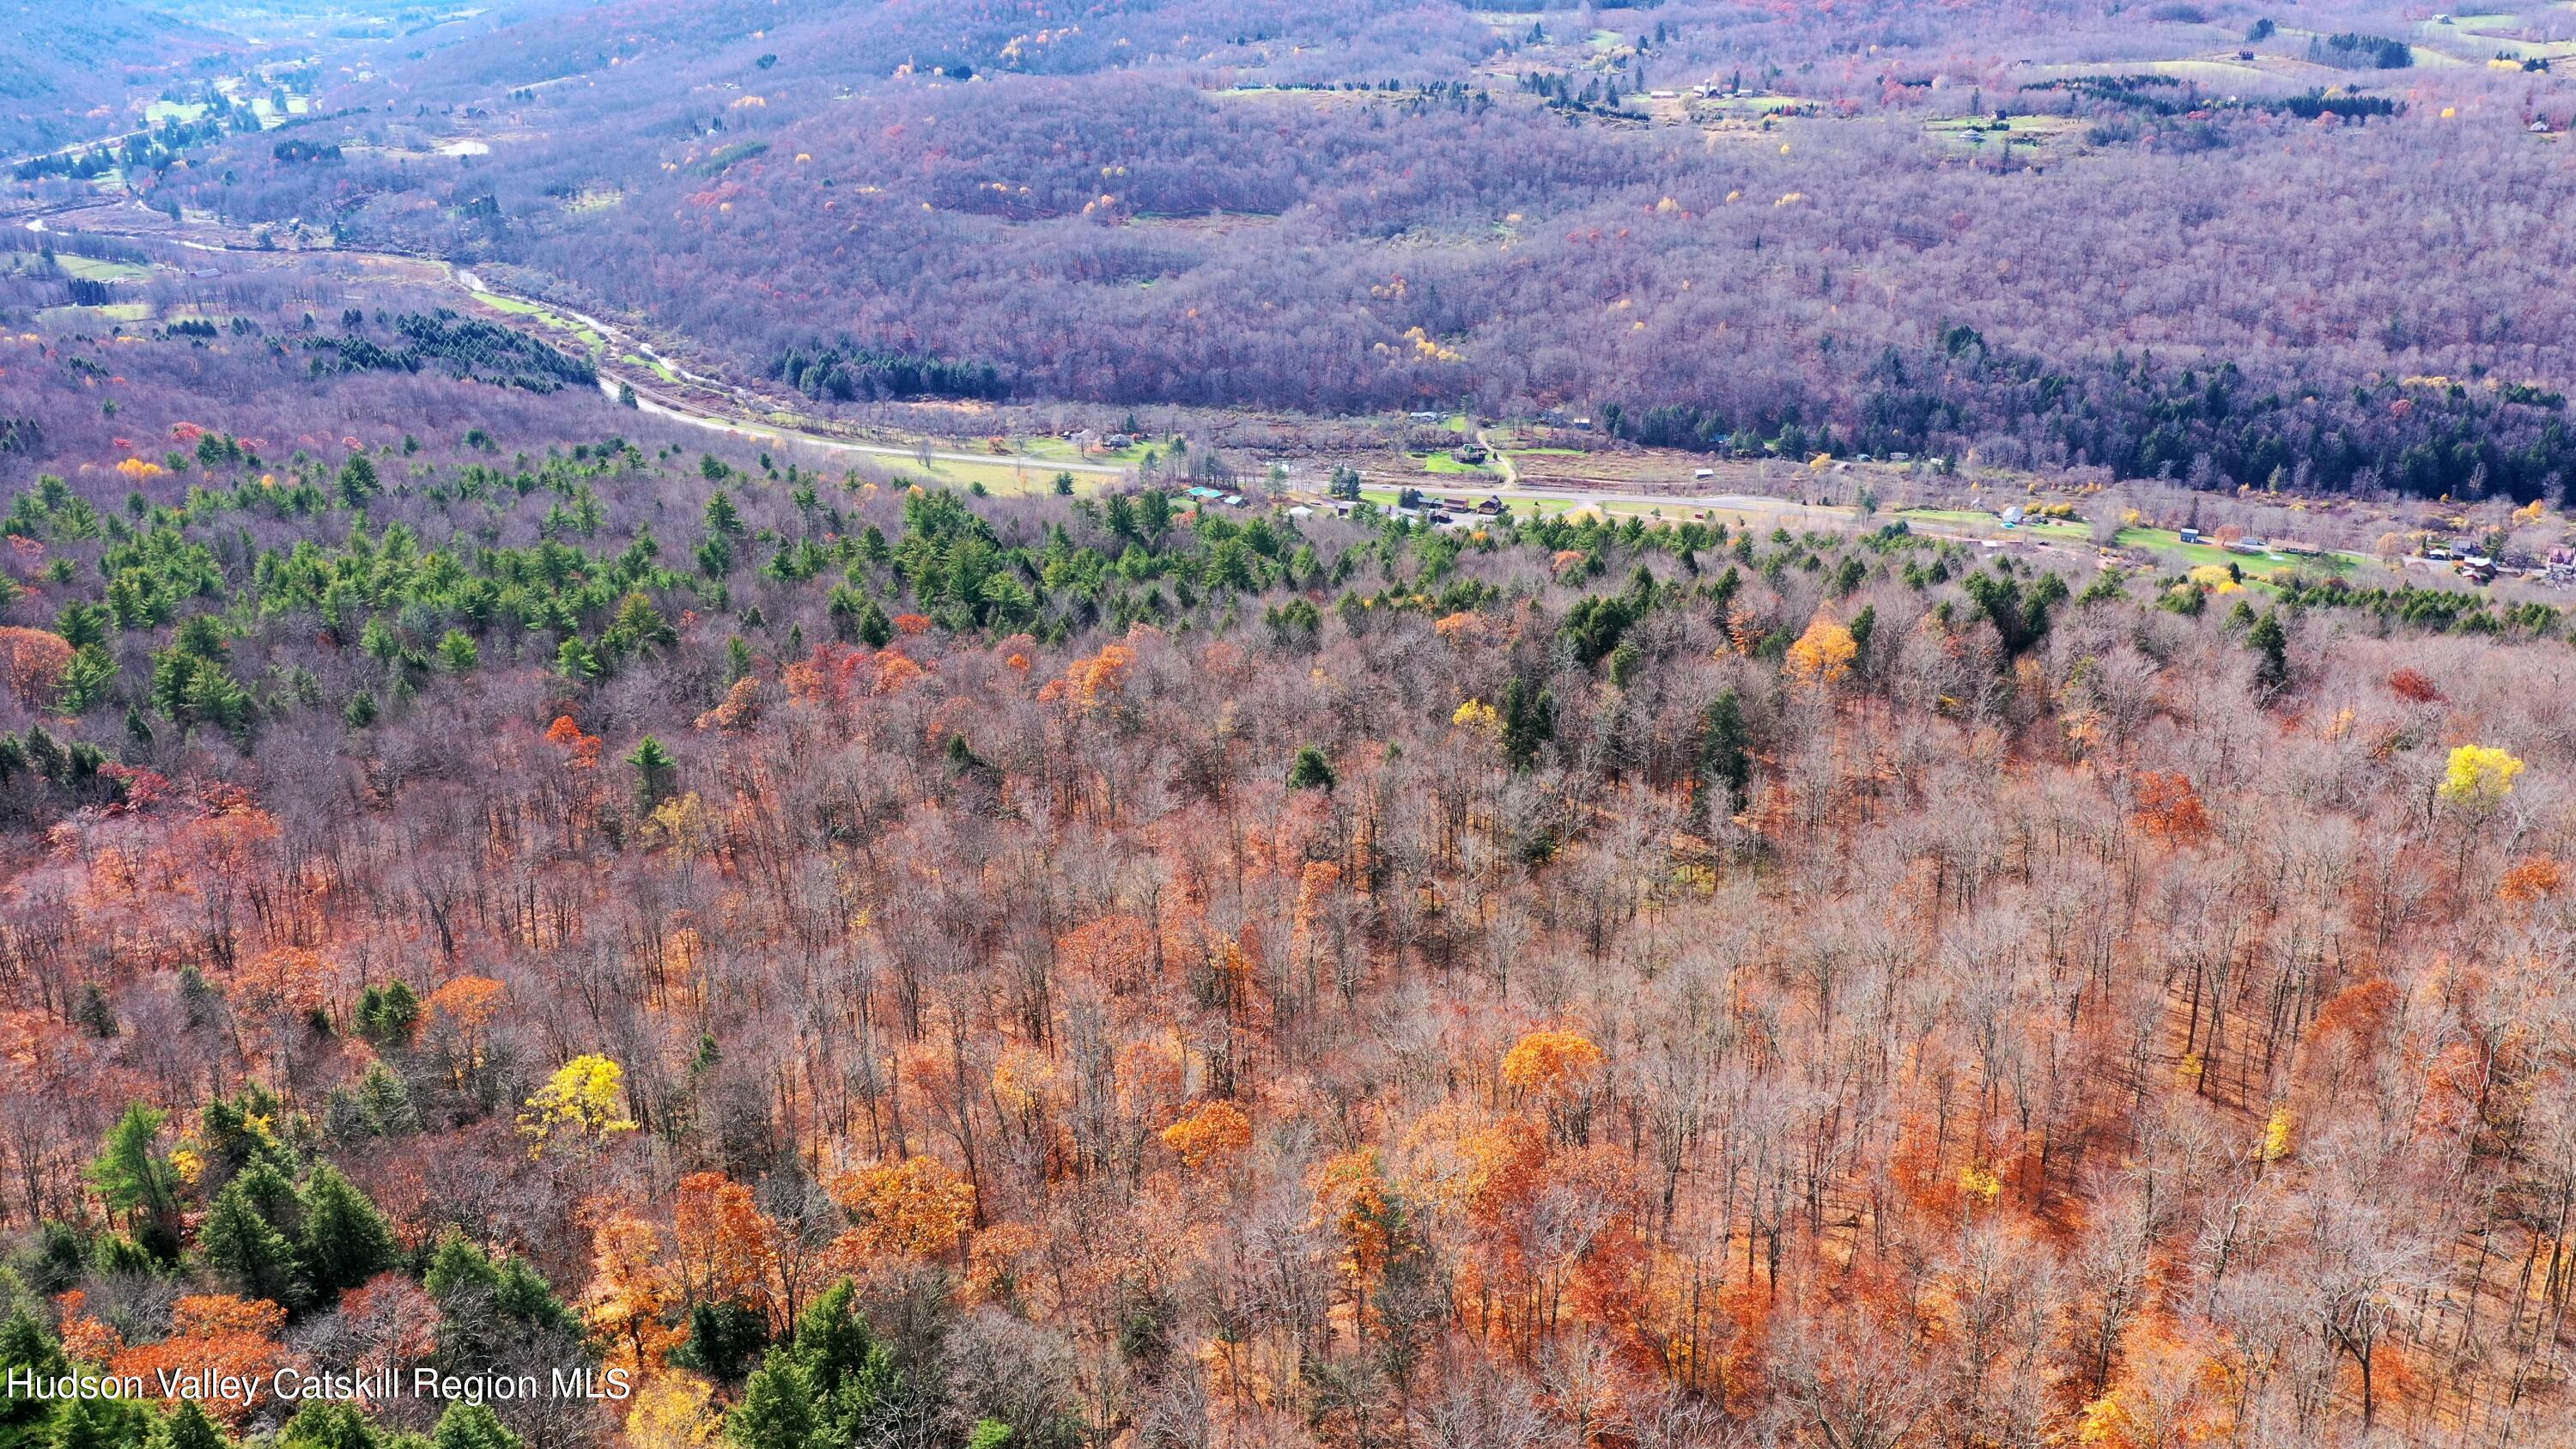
(587,337)
(1001,476)
(88,269)
(2482,37)
(1645,471)
(2165,543)
(2209,72)
(1444,464)
(2197,70)
(1049,447)
(113,312)
(1974,133)
(1525,506)
(1740,109)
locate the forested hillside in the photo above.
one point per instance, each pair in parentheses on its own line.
(978,724)
(80,72)
(858,963)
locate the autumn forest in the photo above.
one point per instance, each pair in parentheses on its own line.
(976,724)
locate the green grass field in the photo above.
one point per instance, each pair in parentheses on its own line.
(90,269)
(1444,464)
(2162,542)
(588,338)
(2166,542)
(1000,476)
(1745,106)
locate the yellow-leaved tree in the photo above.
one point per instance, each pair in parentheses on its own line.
(1822,655)
(579,1103)
(674,1410)
(1549,1061)
(2277,1135)
(2479,778)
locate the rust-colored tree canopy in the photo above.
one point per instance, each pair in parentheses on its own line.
(1975,1078)
(1214,724)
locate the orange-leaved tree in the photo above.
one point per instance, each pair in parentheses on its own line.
(1210,1132)
(218,1334)
(919,1207)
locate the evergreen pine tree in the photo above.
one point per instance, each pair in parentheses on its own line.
(388,1014)
(94,1013)
(325,1425)
(1725,756)
(2268,639)
(346,1241)
(849,1373)
(874,629)
(654,768)
(777,1410)
(247,1246)
(187,1427)
(1310,770)
(100,1423)
(133,1177)
(26,1347)
(358,481)
(473,1426)
(386,1103)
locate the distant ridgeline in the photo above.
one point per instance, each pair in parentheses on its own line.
(848,372)
(464,346)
